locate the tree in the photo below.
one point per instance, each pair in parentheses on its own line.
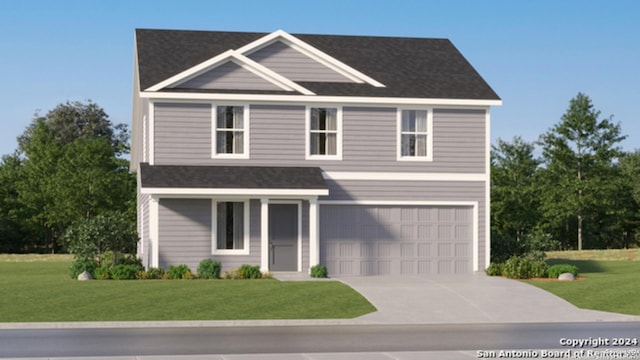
(90,239)
(74,120)
(579,154)
(514,201)
(72,170)
(12,233)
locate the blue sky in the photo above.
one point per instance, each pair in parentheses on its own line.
(536,55)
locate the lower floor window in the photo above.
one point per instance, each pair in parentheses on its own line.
(230,225)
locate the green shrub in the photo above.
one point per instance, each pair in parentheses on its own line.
(246,272)
(112,235)
(555,270)
(495,269)
(209,269)
(103,273)
(181,271)
(524,268)
(80,265)
(124,272)
(318,271)
(249,272)
(154,273)
(231,274)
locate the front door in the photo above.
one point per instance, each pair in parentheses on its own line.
(283,237)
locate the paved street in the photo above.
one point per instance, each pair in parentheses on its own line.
(303,342)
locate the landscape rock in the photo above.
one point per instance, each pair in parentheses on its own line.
(85,276)
(566,277)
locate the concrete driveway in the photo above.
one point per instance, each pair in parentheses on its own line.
(465,299)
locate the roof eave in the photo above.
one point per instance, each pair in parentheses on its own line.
(157,95)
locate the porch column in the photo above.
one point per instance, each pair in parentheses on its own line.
(264,234)
(314,233)
(154,224)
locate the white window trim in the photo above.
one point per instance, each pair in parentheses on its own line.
(307,134)
(429,156)
(214,228)
(214,132)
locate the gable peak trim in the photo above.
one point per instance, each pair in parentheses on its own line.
(312,52)
(240,60)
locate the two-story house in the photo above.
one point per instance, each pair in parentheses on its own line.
(369,155)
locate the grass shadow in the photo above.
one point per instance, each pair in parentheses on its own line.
(584,266)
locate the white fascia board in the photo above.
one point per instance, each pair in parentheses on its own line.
(312,52)
(237,192)
(304,99)
(404,176)
(240,60)
(398,203)
(189,73)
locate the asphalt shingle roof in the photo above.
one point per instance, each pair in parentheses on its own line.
(408,67)
(230,177)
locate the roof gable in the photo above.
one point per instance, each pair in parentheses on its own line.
(411,68)
(232,66)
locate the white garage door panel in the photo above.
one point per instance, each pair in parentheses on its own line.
(392,240)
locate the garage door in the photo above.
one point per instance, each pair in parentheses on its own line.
(392,240)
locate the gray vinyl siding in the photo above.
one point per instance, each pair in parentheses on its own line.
(294,65)
(182,133)
(277,138)
(185,234)
(229,76)
(277,135)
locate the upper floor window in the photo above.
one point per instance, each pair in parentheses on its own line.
(231,135)
(414,134)
(325,138)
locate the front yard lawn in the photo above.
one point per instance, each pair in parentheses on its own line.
(42,292)
(606,285)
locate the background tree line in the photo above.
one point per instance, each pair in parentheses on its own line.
(581,192)
(68,169)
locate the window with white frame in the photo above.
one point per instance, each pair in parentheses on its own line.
(324,132)
(230,130)
(414,135)
(231,227)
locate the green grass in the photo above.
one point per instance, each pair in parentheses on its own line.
(605,285)
(41,291)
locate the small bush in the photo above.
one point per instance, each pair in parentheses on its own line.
(246,272)
(232,274)
(209,269)
(154,273)
(249,272)
(103,273)
(181,271)
(78,266)
(124,272)
(495,269)
(318,271)
(555,270)
(523,268)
